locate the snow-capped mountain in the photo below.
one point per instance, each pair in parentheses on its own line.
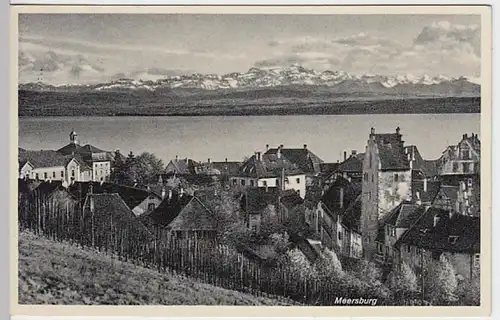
(295,75)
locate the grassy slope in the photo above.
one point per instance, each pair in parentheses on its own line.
(58,273)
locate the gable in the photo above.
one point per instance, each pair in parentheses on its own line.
(194,216)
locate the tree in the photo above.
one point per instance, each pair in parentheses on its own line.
(145,167)
(402,281)
(329,265)
(118,168)
(441,282)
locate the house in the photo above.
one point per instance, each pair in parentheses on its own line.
(439,233)
(218,168)
(462,159)
(98,160)
(350,168)
(341,201)
(462,199)
(289,200)
(51,165)
(387,179)
(397,222)
(258,201)
(255,172)
(109,223)
(139,201)
(299,159)
(181,166)
(181,216)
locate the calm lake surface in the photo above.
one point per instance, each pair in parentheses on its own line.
(235,137)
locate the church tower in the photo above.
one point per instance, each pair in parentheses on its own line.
(73,137)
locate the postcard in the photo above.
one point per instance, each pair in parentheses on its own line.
(251,160)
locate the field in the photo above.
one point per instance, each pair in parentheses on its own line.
(59,273)
(32,104)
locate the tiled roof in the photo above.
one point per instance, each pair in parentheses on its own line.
(352,164)
(300,158)
(459,233)
(404,215)
(182,213)
(46,188)
(351,217)
(256,199)
(130,195)
(448,194)
(328,168)
(225,168)
(253,168)
(85,150)
(43,158)
(109,209)
(430,194)
(391,151)
(184,166)
(331,198)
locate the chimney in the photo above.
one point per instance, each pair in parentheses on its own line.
(181,192)
(354,152)
(305,146)
(258,156)
(436,220)
(226,160)
(398,129)
(208,160)
(425,184)
(169,194)
(163,191)
(267,147)
(176,158)
(341,198)
(345,155)
(372,131)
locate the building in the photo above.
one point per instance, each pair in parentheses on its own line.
(338,215)
(257,172)
(181,166)
(50,165)
(139,201)
(439,233)
(181,216)
(462,159)
(218,168)
(350,168)
(387,180)
(98,160)
(108,222)
(256,202)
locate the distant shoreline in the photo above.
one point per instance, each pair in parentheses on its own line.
(42,104)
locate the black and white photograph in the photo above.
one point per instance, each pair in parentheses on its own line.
(251,159)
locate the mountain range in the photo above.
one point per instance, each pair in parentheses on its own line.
(280,81)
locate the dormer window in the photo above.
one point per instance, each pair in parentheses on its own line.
(452,239)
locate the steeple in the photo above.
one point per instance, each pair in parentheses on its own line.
(73,137)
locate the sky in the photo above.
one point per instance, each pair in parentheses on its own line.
(86,48)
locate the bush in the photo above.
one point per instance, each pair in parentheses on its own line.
(403,281)
(329,265)
(441,283)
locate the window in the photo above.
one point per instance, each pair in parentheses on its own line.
(366,177)
(455,167)
(36,176)
(53,174)
(477,259)
(469,182)
(62,174)
(264,183)
(436,255)
(370,160)
(373,177)
(298,180)
(45,175)
(466,167)
(243,182)
(339,235)
(408,249)
(380,248)
(396,177)
(73,172)
(369,195)
(235,181)
(252,183)
(151,206)
(466,155)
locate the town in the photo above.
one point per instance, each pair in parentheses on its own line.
(384,223)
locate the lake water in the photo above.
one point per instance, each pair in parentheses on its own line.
(221,137)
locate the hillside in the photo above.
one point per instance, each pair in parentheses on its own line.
(58,273)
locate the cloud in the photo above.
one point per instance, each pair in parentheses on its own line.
(440,48)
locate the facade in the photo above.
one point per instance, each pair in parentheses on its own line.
(387,177)
(463,158)
(350,168)
(181,166)
(98,160)
(50,165)
(181,216)
(439,233)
